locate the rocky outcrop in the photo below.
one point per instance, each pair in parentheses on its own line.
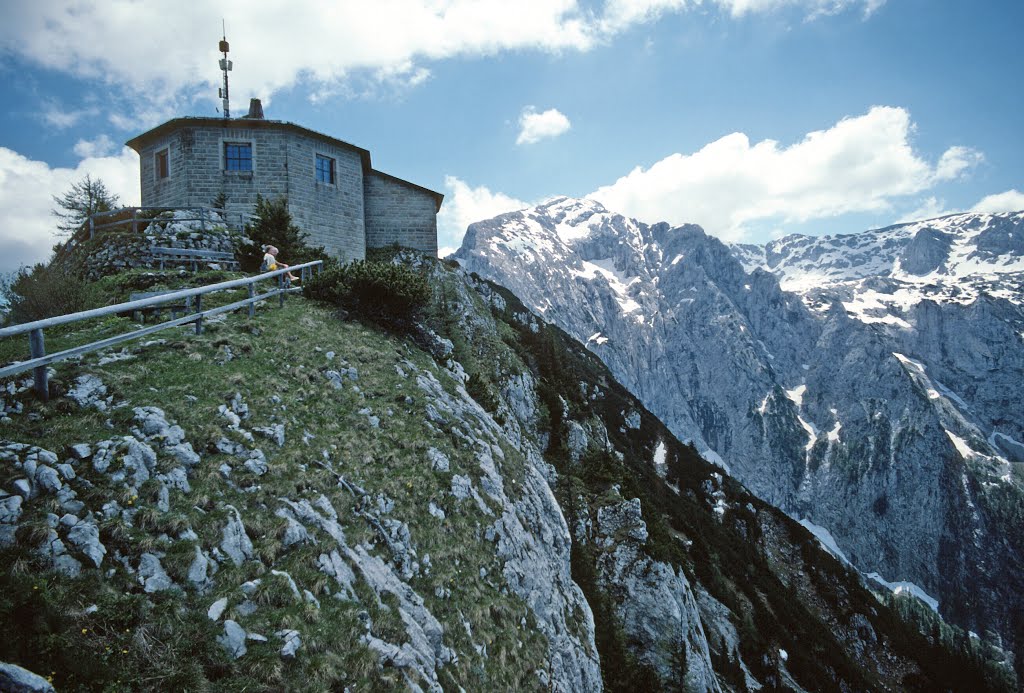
(654,601)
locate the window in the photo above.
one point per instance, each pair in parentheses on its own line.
(237,156)
(162,164)
(325,169)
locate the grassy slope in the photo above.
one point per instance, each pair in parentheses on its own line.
(164,641)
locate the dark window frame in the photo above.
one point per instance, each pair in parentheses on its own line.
(238,156)
(162,161)
(326,169)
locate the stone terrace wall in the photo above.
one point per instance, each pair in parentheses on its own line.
(398,212)
(115,251)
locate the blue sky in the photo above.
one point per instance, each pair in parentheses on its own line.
(753,118)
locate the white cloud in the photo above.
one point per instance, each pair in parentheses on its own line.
(930,208)
(96,147)
(621,14)
(27,188)
(534,126)
(1009,201)
(463,205)
(955,161)
(162,53)
(61,118)
(860,164)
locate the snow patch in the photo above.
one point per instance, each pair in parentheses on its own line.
(796,395)
(903,587)
(660,453)
(961,445)
(827,540)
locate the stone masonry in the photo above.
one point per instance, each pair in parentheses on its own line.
(362,208)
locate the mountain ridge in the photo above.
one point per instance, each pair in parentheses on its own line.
(895,428)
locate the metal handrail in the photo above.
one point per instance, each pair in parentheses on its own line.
(39,359)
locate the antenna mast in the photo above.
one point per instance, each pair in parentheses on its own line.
(225,66)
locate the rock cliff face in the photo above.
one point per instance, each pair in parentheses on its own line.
(866,384)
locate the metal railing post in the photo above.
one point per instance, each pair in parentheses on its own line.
(202,219)
(37,349)
(281,287)
(199,310)
(135,220)
(92,228)
(252,303)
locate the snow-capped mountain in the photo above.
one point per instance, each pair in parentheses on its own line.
(869,385)
(880,274)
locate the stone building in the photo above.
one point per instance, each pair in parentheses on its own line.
(333,192)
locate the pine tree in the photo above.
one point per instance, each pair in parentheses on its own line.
(86,197)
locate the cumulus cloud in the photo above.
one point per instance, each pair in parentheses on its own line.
(96,147)
(1009,201)
(279,43)
(465,204)
(930,208)
(534,126)
(860,164)
(27,188)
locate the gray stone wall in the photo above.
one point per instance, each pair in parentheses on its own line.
(398,212)
(283,164)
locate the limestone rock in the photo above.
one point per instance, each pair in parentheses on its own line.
(217,609)
(233,639)
(235,542)
(15,679)
(152,574)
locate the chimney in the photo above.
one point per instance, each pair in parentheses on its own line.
(255,109)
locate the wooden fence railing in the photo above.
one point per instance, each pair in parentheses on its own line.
(138,218)
(39,359)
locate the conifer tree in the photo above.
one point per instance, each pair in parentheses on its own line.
(86,197)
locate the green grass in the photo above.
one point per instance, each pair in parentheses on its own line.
(169,641)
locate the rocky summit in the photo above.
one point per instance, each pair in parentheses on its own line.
(310,499)
(867,384)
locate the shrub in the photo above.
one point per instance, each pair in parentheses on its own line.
(272,224)
(43,292)
(379,291)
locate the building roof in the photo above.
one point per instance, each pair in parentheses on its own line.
(140,141)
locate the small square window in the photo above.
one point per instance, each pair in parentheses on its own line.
(237,156)
(162,164)
(325,169)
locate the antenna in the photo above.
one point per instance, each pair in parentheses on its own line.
(225,66)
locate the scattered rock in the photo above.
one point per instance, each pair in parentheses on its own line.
(274,432)
(152,575)
(236,543)
(216,609)
(462,486)
(10,509)
(81,451)
(84,535)
(233,639)
(89,391)
(257,463)
(438,460)
(19,680)
(434,510)
(197,570)
(292,642)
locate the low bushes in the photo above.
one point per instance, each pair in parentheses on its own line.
(382,292)
(45,291)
